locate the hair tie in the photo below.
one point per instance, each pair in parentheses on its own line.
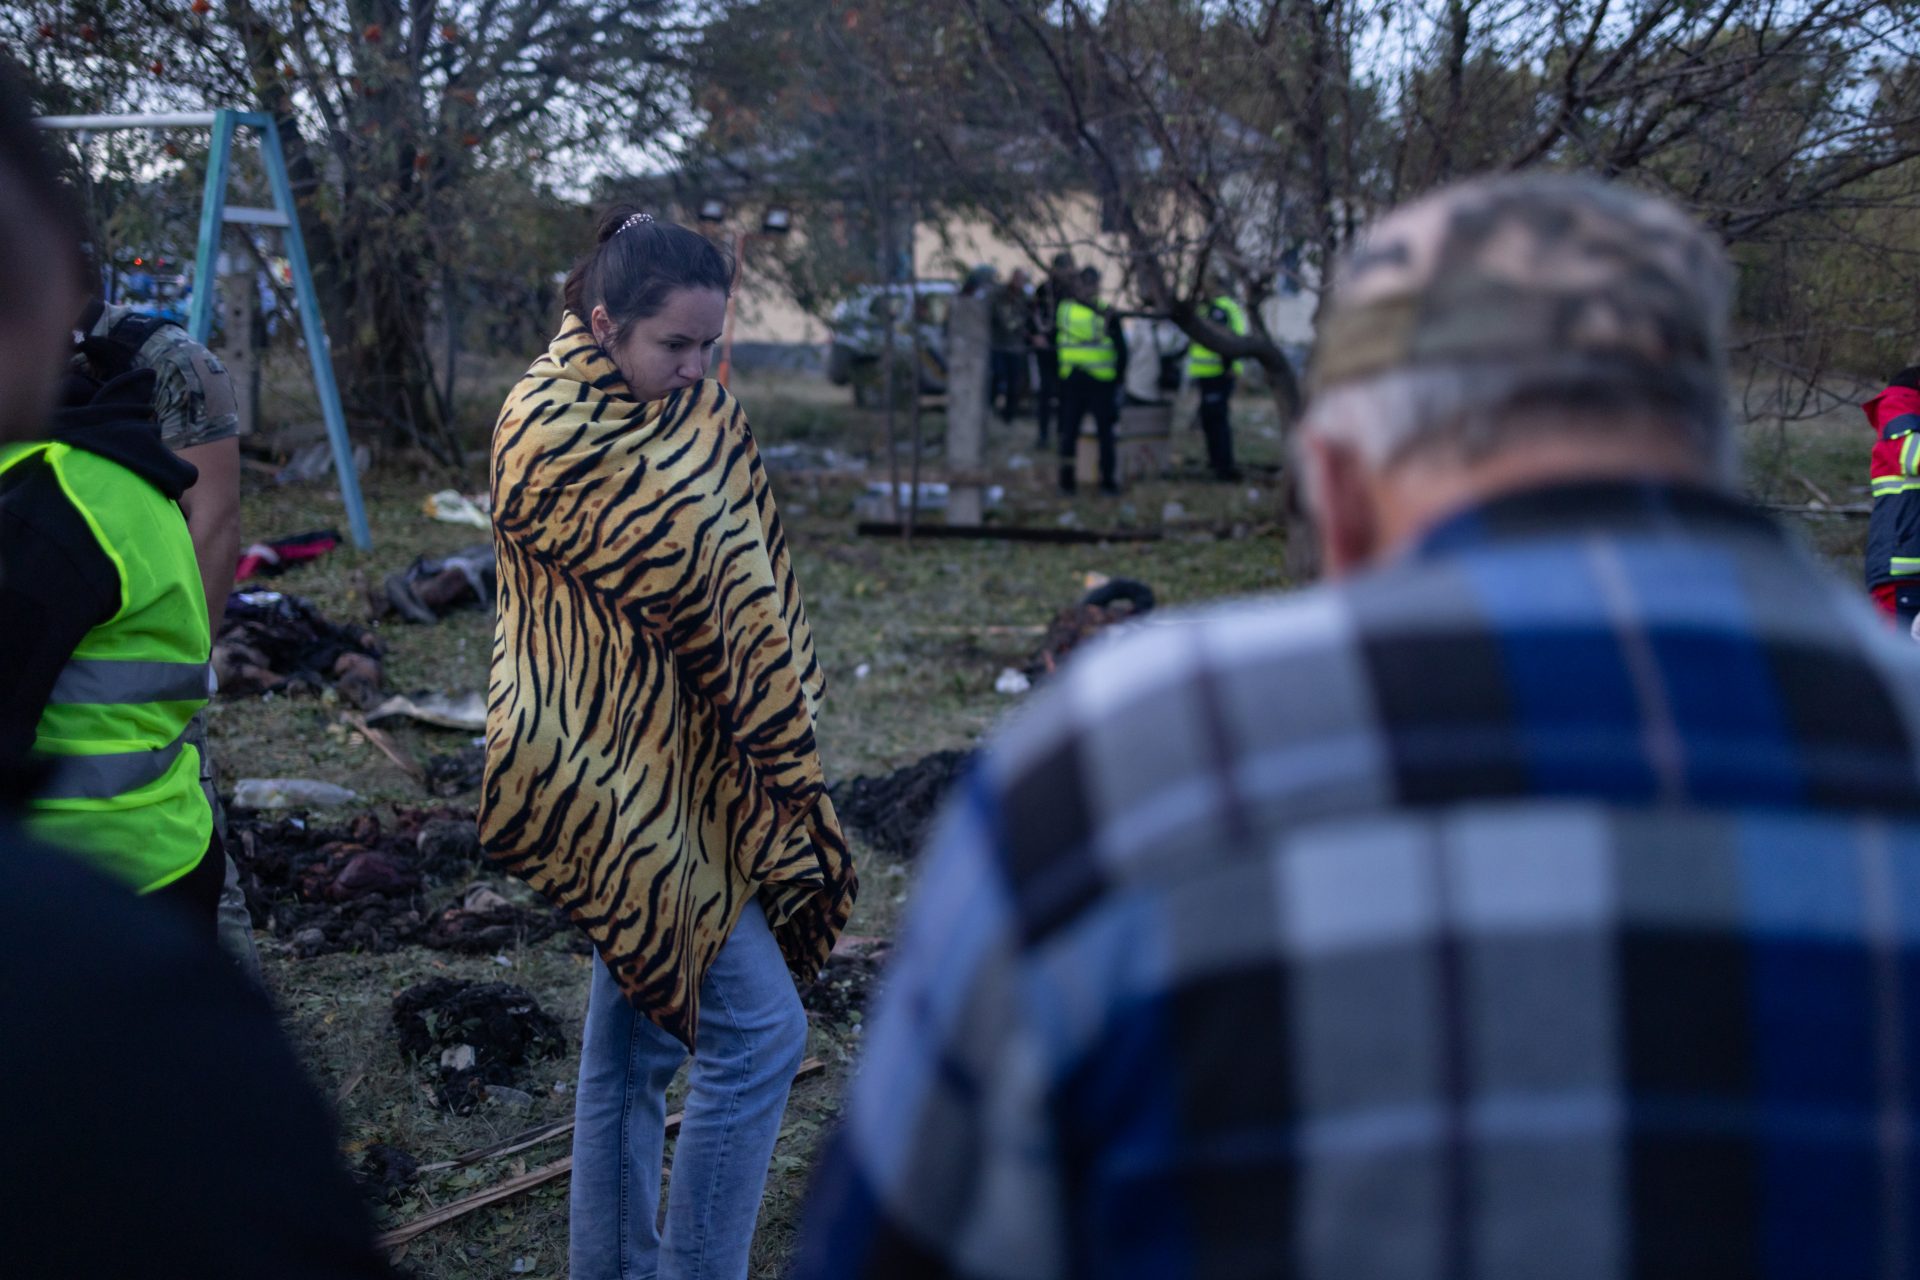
(634,221)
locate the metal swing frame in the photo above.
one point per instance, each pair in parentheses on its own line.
(214,214)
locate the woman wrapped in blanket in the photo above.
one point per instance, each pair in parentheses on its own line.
(651,761)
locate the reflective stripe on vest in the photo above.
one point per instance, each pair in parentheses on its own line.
(125,787)
(106,776)
(1905,566)
(1083,342)
(1205,362)
(112,680)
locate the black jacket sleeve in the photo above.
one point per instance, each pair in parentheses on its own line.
(56,584)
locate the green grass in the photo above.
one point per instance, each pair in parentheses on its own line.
(931,623)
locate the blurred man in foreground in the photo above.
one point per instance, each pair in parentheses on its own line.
(164,1127)
(1537,898)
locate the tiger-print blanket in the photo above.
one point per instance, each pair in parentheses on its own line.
(651,761)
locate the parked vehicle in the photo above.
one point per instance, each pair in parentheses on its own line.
(860,335)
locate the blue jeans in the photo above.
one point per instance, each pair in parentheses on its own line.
(752,1035)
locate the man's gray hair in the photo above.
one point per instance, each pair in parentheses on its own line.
(1463,413)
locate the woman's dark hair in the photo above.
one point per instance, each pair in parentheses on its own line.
(638,264)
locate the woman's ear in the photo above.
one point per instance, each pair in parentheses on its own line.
(602,325)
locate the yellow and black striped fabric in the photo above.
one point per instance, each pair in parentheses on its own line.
(651,758)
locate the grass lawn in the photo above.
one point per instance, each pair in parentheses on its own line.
(912,638)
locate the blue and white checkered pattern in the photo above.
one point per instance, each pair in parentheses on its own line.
(1547,903)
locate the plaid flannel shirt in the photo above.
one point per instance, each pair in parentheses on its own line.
(1546,903)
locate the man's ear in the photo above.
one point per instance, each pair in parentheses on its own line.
(1341,505)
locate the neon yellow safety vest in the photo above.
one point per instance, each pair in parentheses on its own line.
(124,788)
(1205,362)
(1083,342)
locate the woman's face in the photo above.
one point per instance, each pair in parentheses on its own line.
(670,348)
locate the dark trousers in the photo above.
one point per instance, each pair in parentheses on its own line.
(1047,402)
(197,893)
(1081,394)
(1216,395)
(1009,382)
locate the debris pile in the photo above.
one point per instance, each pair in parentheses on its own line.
(475,1035)
(432,587)
(274,643)
(839,995)
(328,889)
(1108,604)
(386,1173)
(454,773)
(282,554)
(892,813)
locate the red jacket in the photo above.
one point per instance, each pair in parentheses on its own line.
(1893,535)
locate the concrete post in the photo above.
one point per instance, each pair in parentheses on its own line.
(237,300)
(967,394)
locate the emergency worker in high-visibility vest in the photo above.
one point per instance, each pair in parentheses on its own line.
(1213,377)
(1092,357)
(1893,530)
(99,692)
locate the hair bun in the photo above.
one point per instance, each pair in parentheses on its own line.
(619,218)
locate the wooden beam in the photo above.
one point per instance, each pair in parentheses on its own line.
(522,1182)
(1006,532)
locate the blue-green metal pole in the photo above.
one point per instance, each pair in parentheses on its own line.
(317,346)
(213,207)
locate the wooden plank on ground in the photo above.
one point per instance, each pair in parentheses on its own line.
(522,1182)
(1005,532)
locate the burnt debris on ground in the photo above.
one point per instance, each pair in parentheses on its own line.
(840,994)
(892,812)
(274,643)
(473,1035)
(363,887)
(454,773)
(1114,601)
(434,586)
(386,1173)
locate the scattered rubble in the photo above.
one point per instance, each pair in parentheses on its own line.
(1111,602)
(466,711)
(386,1173)
(434,586)
(456,772)
(288,793)
(362,888)
(274,643)
(476,1034)
(282,554)
(840,994)
(892,813)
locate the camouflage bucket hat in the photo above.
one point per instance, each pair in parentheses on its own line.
(1531,267)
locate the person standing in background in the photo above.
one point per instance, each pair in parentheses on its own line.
(1535,898)
(1893,530)
(1044,325)
(1213,376)
(1010,324)
(198,415)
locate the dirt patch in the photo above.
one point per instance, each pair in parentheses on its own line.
(892,812)
(473,1035)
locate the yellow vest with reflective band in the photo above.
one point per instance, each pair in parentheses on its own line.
(1205,362)
(123,790)
(1083,342)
